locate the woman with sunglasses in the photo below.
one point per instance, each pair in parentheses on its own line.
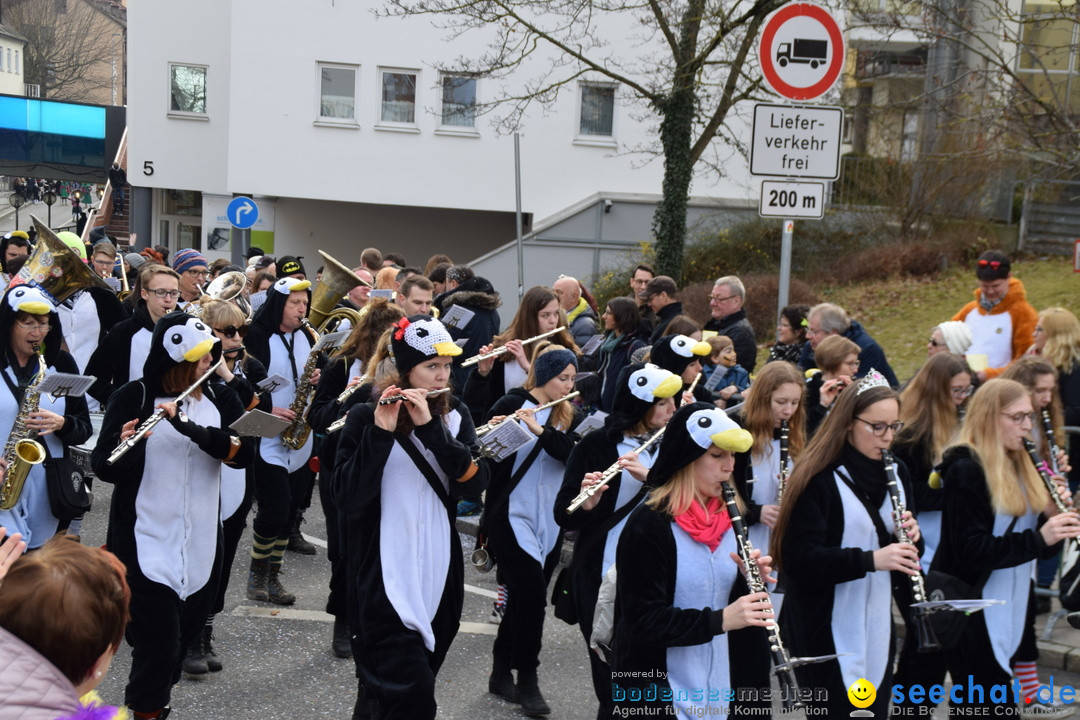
(835,543)
(997,519)
(931,407)
(242,373)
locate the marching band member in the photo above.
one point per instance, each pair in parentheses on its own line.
(30,323)
(682,602)
(283,477)
(165,523)
(401,464)
(681,355)
(997,518)
(345,370)
(643,403)
(193,270)
(834,544)
(776,398)
(524,537)
(837,359)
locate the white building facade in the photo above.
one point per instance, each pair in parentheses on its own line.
(12,52)
(341,128)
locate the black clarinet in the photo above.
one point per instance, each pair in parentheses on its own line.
(783,461)
(791,696)
(1051,441)
(920,617)
(1051,486)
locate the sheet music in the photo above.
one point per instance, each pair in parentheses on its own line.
(65,384)
(592,344)
(505,440)
(331,341)
(383,293)
(256,423)
(457,317)
(273,383)
(592,422)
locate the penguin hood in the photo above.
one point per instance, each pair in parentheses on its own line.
(693,429)
(31,299)
(270,312)
(638,388)
(675,352)
(178,337)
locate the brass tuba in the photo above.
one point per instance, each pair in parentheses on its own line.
(56,268)
(228,287)
(335,283)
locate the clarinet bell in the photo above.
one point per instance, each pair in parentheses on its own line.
(790,695)
(927,638)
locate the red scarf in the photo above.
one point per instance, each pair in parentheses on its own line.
(705,524)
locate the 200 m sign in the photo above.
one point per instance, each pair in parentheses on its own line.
(792,199)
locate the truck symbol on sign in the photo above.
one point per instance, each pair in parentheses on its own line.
(813,52)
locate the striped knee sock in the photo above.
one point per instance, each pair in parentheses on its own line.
(1028,675)
(279,550)
(261,547)
(500,600)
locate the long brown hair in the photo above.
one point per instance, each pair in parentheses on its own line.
(526,323)
(758,414)
(381,368)
(180,377)
(1026,371)
(928,412)
(563,413)
(822,450)
(378,315)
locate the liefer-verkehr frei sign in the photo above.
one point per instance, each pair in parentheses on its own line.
(796,141)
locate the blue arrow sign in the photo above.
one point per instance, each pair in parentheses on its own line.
(242,212)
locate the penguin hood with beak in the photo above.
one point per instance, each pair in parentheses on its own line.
(33,300)
(675,352)
(693,429)
(270,312)
(638,388)
(178,337)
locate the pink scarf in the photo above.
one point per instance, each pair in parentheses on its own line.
(705,524)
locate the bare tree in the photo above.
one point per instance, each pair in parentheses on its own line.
(69,43)
(681,62)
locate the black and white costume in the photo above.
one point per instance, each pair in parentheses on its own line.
(758,481)
(121,355)
(164,522)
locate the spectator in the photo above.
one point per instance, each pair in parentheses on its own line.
(438,278)
(371,259)
(15,244)
(1000,319)
(838,360)
(473,293)
(416,295)
(729,318)
(723,359)
(434,260)
(684,325)
(622,336)
(118,182)
(660,295)
(952,337)
(790,334)
(827,319)
(581,317)
(393,258)
(639,280)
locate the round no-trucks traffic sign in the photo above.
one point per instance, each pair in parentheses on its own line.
(801,51)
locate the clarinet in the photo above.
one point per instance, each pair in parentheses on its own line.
(920,617)
(783,461)
(782,667)
(1051,486)
(1051,442)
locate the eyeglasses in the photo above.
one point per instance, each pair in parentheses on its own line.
(232,331)
(32,326)
(162,293)
(962,391)
(880,428)
(1020,417)
(718,299)
(104,263)
(197,273)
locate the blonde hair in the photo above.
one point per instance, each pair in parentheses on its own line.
(1062,330)
(562,414)
(1013,482)
(1027,371)
(674,497)
(758,416)
(926,406)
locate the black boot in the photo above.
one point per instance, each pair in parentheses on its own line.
(501,681)
(342,643)
(297,543)
(278,594)
(212,660)
(257,578)
(194,662)
(528,691)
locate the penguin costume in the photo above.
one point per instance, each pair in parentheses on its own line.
(672,654)
(164,522)
(521,528)
(120,355)
(23,311)
(639,389)
(676,353)
(404,555)
(283,478)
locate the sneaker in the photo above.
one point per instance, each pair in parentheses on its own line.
(1037,709)
(468,508)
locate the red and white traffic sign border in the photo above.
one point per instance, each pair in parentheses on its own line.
(765,51)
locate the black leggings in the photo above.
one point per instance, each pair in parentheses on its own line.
(521,630)
(232,529)
(280,494)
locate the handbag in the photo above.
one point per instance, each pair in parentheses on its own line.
(562,596)
(69,493)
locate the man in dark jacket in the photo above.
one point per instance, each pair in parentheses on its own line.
(729,318)
(660,296)
(827,319)
(478,296)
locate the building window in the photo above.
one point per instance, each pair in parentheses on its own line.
(187,89)
(337,93)
(398,97)
(597,110)
(9,65)
(458,101)
(16,61)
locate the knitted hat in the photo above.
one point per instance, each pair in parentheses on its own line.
(417,339)
(289,265)
(134,260)
(992,265)
(74,242)
(187,259)
(957,336)
(674,353)
(549,364)
(692,430)
(254,252)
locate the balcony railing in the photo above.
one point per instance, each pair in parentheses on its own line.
(33,91)
(880,64)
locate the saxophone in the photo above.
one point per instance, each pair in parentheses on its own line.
(297,433)
(21,450)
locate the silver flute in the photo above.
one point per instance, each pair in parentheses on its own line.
(398,398)
(500,350)
(148,424)
(610,473)
(489,426)
(351,389)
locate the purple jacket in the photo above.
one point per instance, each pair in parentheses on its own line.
(32,688)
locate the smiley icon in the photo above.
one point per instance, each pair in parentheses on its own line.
(862,693)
